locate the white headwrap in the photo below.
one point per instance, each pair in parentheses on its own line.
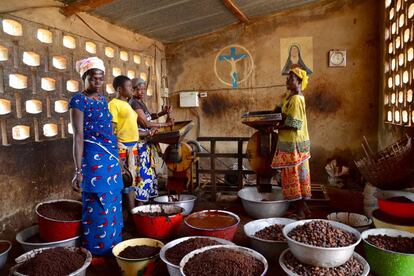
(86,64)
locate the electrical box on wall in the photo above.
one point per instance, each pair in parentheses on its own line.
(189,99)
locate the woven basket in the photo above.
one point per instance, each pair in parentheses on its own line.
(391,168)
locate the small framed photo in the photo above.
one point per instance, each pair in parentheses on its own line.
(337,58)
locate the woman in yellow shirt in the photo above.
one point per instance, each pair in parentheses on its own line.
(293,147)
(124,120)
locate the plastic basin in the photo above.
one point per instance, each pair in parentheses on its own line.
(226,233)
(384,262)
(158,227)
(134,267)
(52,230)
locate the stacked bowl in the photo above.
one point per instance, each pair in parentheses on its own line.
(321,245)
(396,210)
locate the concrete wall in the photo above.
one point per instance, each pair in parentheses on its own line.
(35,172)
(342,103)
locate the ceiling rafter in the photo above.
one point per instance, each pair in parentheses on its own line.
(82,6)
(231,6)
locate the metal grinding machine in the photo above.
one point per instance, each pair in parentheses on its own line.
(179,156)
(262,146)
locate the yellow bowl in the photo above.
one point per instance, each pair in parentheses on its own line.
(133,267)
(382,220)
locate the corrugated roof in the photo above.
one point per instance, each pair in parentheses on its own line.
(174,20)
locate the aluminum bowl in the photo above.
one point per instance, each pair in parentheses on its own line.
(174,270)
(186,202)
(273,206)
(234,247)
(4,255)
(29,255)
(321,256)
(357,221)
(27,233)
(270,249)
(355,255)
(386,262)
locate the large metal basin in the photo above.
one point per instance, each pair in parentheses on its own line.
(29,255)
(186,202)
(245,250)
(27,233)
(263,205)
(270,249)
(355,255)
(174,270)
(321,256)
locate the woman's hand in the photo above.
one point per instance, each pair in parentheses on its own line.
(152,131)
(167,109)
(76,182)
(170,122)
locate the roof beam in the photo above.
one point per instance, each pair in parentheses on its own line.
(231,6)
(83,6)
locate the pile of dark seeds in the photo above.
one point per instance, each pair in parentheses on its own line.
(351,268)
(177,252)
(396,244)
(139,252)
(271,233)
(223,261)
(321,233)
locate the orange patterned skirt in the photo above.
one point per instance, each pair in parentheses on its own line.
(294,165)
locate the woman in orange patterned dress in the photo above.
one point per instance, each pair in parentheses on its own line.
(293,148)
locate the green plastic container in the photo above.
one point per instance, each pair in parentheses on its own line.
(384,262)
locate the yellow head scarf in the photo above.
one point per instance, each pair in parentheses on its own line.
(302,75)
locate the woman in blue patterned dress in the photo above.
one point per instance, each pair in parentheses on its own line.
(97,171)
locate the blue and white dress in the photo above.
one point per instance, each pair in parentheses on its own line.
(102,179)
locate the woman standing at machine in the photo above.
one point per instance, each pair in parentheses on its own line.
(95,154)
(293,147)
(148,188)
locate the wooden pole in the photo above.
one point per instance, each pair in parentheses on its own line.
(236,11)
(83,6)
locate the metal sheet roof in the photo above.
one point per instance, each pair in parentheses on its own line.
(174,20)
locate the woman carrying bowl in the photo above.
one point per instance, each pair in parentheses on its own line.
(293,146)
(95,153)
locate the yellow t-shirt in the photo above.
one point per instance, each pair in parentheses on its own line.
(125,118)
